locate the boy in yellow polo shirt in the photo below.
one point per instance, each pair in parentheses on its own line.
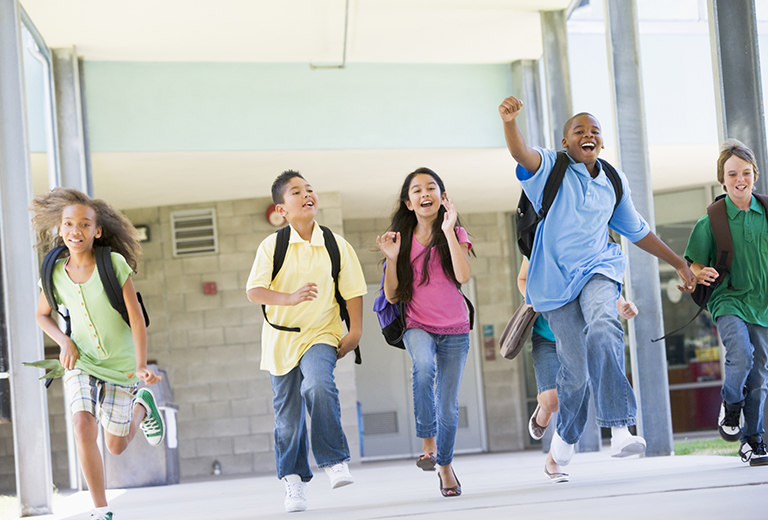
(301,363)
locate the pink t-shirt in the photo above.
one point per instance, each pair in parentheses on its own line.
(437,306)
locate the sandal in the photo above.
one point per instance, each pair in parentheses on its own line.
(556,477)
(427,462)
(453,491)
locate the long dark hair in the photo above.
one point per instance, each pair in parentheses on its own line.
(404,221)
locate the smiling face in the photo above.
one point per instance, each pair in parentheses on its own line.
(583,138)
(738,179)
(299,201)
(78,228)
(424,195)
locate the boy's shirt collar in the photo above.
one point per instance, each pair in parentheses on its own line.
(732,211)
(581,168)
(316,239)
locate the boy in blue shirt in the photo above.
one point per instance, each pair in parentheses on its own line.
(575,276)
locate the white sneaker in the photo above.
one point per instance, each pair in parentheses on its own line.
(627,446)
(561,451)
(339,475)
(295,494)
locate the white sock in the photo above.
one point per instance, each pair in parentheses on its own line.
(562,452)
(101,510)
(619,433)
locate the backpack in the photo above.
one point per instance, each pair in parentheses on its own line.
(281,246)
(108,279)
(721,231)
(392,316)
(527,220)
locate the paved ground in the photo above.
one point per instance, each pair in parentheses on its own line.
(507,485)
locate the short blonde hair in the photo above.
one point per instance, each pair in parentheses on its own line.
(730,148)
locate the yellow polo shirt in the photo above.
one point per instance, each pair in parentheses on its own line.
(318,319)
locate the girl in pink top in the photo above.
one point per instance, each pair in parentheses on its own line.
(430,252)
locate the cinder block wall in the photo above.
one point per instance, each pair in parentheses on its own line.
(210,344)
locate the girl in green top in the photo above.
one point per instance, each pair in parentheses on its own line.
(105,358)
(739,305)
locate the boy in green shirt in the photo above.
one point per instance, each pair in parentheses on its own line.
(739,305)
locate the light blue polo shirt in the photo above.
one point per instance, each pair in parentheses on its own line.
(572,243)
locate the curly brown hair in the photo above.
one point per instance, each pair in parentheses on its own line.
(117,231)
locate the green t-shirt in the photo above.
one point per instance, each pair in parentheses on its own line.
(749,270)
(101,335)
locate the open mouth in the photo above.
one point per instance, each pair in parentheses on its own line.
(588,147)
(426,204)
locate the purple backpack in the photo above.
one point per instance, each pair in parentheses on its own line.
(391,316)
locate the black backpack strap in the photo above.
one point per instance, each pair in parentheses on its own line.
(46,279)
(281,246)
(109,280)
(554,181)
(613,176)
(333,251)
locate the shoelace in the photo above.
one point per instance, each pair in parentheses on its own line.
(745,455)
(293,489)
(732,418)
(151,426)
(759,449)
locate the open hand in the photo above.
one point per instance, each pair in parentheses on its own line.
(449,219)
(707,275)
(389,244)
(306,292)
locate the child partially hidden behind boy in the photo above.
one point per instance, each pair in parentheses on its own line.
(301,363)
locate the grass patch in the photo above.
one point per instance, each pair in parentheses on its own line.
(9,507)
(707,447)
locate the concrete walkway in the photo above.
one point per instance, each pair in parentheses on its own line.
(495,486)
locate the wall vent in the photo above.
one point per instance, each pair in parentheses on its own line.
(194,232)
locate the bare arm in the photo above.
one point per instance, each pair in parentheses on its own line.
(264,296)
(389,244)
(68,352)
(139,332)
(652,244)
(522,276)
(459,252)
(525,156)
(352,338)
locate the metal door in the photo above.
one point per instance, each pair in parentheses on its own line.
(385,394)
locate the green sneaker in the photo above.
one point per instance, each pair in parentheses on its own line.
(101,516)
(152,425)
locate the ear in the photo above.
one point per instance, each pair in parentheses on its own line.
(408,205)
(280,209)
(98,232)
(564,142)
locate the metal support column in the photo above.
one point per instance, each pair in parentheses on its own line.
(29,410)
(70,122)
(558,76)
(557,72)
(738,89)
(649,360)
(526,82)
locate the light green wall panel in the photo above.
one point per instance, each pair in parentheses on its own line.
(240,106)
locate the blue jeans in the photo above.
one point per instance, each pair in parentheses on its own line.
(746,369)
(438,364)
(590,345)
(545,362)
(310,386)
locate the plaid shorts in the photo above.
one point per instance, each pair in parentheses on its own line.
(115,402)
